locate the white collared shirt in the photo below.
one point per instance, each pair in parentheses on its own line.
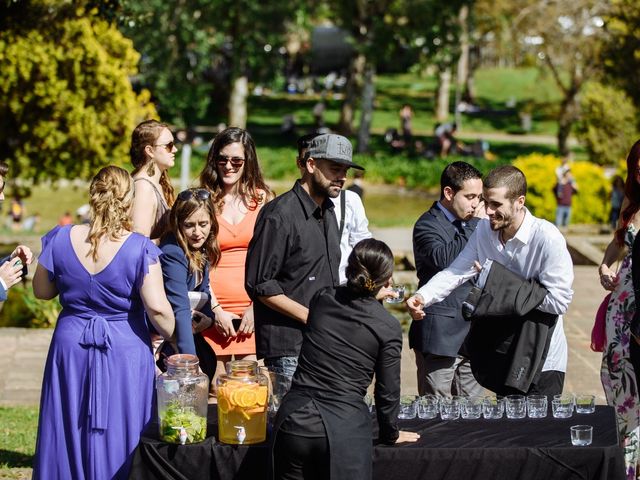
(356,226)
(538,250)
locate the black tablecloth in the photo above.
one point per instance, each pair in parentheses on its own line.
(449,450)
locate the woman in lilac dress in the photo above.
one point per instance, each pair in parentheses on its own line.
(98,390)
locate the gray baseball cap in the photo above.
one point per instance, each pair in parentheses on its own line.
(332,147)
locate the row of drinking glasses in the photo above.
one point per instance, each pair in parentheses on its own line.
(491,407)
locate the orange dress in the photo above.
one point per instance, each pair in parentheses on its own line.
(227,282)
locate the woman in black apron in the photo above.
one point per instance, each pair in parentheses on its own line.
(323,427)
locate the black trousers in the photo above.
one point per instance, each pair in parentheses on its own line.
(549,383)
(300,458)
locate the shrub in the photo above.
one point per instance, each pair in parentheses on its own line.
(23,309)
(590,205)
(607,127)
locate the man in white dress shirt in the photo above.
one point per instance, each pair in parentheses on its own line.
(526,245)
(348,206)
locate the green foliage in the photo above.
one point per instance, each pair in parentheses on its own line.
(66,102)
(192,51)
(590,205)
(23,309)
(622,51)
(608,123)
(17,437)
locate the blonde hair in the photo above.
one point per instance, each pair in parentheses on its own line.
(110,199)
(147,133)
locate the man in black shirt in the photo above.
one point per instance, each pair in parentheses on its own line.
(295,251)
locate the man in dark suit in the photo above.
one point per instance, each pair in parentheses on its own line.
(439,236)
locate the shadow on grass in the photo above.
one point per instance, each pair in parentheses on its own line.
(10,459)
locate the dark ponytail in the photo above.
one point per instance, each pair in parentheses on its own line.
(370,267)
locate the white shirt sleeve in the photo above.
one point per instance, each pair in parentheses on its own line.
(556,273)
(460,270)
(359,224)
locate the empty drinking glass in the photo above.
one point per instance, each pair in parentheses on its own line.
(407,407)
(450,408)
(492,407)
(516,406)
(585,403)
(537,406)
(427,406)
(471,407)
(581,435)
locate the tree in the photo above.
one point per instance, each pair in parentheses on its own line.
(66,103)
(607,125)
(191,49)
(622,50)
(572,37)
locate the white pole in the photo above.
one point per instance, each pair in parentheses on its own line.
(185,159)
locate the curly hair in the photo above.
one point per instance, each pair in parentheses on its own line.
(370,267)
(145,134)
(252,188)
(110,199)
(181,210)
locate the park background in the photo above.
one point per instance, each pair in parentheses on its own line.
(536,80)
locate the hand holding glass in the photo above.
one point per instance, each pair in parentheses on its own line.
(399,290)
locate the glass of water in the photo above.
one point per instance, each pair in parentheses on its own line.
(399,290)
(581,435)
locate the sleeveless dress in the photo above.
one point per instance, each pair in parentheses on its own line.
(227,282)
(161,221)
(98,387)
(617,373)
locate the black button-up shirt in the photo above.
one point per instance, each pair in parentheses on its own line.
(295,251)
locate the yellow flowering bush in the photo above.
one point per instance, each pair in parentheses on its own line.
(589,205)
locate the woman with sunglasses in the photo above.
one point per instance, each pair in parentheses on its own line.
(152,154)
(233,176)
(187,247)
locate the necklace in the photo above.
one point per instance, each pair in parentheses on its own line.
(228,229)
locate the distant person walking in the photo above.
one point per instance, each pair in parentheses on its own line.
(564,190)
(406,116)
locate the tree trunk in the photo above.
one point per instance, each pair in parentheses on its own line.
(566,119)
(238,102)
(347,111)
(444,85)
(463,62)
(368,96)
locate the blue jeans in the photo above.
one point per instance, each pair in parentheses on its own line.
(563,215)
(282,365)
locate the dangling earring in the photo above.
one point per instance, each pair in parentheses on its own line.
(151,171)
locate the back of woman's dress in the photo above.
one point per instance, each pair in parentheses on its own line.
(98,387)
(617,374)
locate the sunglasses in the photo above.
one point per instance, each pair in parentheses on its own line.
(198,193)
(236,162)
(168,146)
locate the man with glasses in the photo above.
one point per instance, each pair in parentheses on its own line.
(295,251)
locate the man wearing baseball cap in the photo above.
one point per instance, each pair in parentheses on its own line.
(295,251)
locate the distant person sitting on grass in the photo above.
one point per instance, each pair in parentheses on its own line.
(446,140)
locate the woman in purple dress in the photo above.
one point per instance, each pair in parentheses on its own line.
(98,391)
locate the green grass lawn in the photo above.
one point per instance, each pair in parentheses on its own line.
(18,427)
